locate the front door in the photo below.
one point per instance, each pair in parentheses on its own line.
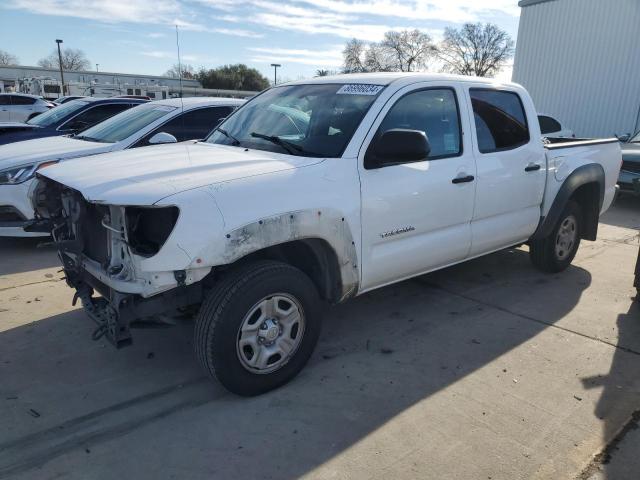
(416,216)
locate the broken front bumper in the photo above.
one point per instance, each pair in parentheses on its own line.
(115,311)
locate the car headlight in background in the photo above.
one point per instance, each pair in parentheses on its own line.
(15,175)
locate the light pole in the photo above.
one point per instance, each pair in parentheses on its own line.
(58,41)
(275,72)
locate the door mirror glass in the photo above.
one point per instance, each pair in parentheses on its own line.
(399,145)
(162,137)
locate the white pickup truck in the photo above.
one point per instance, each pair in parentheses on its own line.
(317,191)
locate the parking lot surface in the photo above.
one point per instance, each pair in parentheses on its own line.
(486,370)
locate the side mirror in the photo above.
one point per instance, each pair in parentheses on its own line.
(162,137)
(624,138)
(398,145)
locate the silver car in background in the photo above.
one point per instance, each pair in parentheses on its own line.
(20,107)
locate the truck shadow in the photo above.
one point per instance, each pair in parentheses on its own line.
(625,212)
(18,255)
(379,355)
(616,387)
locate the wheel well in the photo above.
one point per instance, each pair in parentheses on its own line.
(313,256)
(588,197)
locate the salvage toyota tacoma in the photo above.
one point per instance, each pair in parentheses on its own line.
(314,192)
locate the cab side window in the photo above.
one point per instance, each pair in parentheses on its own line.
(432,111)
(501,122)
(94,115)
(192,125)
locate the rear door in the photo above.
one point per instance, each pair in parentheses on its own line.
(5,108)
(510,166)
(21,108)
(415,218)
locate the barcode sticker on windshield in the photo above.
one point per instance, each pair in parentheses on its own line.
(359,89)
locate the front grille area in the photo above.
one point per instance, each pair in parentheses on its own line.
(631,167)
(10,214)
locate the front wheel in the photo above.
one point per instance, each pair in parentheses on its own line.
(258,328)
(555,252)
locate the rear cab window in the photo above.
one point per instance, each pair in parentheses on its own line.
(500,120)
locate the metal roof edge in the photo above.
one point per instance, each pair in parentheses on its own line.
(528,3)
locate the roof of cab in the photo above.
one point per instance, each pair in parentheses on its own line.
(386,78)
(192,102)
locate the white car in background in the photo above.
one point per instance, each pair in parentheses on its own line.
(19,107)
(162,121)
(552,128)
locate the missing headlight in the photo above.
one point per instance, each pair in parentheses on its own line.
(149,228)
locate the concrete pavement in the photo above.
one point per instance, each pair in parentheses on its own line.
(489,369)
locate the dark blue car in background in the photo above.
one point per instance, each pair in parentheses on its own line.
(69,118)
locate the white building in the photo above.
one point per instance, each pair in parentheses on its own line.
(9,76)
(580,60)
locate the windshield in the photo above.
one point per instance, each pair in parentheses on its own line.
(635,138)
(308,120)
(125,124)
(56,114)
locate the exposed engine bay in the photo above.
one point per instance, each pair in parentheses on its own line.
(100,247)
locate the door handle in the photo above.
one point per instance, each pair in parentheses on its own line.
(532,167)
(468,178)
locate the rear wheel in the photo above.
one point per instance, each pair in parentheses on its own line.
(555,252)
(258,328)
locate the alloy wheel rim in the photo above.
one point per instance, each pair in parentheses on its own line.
(270,333)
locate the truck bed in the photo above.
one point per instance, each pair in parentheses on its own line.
(564,155)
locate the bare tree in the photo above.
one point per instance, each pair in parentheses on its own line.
(399,51)
(187,71)
(353,54)
(410,49)
(72,59)
(322,73)
(475,49)
(377,58)
(7,59)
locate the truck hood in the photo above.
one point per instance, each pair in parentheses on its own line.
(48,148)
(143,176)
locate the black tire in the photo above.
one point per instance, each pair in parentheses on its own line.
(226,307)
(543,252)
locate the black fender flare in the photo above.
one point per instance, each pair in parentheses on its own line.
(586,174)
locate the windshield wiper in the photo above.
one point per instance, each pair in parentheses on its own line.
(288,146)
(88,139)
(236,142)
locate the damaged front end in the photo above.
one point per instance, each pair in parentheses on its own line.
(101,248)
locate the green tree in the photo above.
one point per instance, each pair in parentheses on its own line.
(233,77)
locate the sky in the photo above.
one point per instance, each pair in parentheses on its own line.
(138,36)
